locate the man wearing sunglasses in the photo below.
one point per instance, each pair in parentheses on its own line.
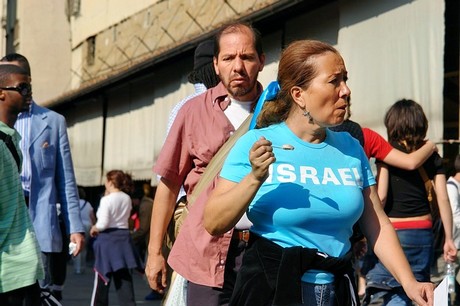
(47,178)
(20,258)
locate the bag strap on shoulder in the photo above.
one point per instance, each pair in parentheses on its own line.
(452,183)
(423,174)
(428,183)
(215,165)
(431,193)
(84,204)
(8,140)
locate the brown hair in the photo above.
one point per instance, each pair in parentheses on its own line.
(121,180)
(296,68)
(406,124)
(238,27)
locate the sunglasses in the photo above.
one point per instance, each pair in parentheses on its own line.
(24,89)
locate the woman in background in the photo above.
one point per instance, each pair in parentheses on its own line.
(405,201)
(113,248)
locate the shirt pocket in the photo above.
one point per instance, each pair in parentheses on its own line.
(48,157)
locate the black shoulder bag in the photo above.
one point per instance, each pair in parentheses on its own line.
(9,143)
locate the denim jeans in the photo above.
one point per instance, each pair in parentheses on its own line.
(417,245)
(317,295)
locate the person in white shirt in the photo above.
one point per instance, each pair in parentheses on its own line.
(113,247)
(453,191)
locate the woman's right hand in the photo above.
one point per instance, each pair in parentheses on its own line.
(261,157)
(421,293)
(432,144)
(93,232)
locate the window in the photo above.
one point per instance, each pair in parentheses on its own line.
(91,50)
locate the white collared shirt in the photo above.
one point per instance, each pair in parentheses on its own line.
(22,125)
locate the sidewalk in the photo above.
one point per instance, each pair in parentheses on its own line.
(79,287)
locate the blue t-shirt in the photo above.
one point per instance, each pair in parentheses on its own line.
(313,194)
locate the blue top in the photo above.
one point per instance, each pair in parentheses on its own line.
(313,194)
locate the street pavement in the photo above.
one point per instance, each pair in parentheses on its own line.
(79,287)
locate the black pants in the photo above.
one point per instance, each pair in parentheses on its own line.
(123,285)
(271,274)
(199,295)
(55,264)
(28,296)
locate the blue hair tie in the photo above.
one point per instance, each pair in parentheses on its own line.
(269,93)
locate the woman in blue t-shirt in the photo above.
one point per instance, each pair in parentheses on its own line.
(303,187)
(406,203)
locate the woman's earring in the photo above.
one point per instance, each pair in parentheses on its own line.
(307,114)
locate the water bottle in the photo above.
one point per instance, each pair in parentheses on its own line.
(450,274)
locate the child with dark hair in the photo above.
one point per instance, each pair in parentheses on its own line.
(406,203)
(113,247)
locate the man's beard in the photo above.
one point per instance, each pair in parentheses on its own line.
(238,91)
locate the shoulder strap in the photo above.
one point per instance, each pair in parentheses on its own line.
(217,161)
(428,184)
(453,184)
(423,174)
(430,192)
(9,143)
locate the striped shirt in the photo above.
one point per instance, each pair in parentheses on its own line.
(20,256)
(22,125)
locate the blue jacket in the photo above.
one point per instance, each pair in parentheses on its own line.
(52,179)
